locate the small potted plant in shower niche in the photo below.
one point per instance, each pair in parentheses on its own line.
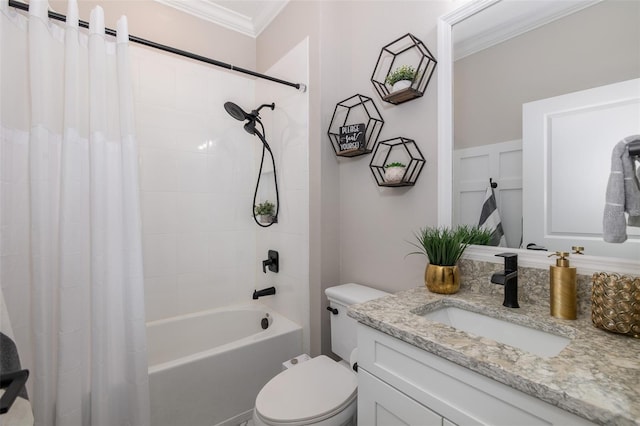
(394,172)
(401,77)
(265,211)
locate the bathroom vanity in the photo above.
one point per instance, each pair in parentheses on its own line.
(417,366)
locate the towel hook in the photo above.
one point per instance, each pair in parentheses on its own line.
(634,148)
(493,184)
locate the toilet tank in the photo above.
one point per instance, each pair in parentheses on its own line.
(343,328)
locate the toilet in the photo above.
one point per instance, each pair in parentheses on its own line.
(321,391)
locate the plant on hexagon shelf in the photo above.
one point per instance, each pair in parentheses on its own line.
(394,172)
(401,77)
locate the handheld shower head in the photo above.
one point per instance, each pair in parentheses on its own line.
(250,127)
(236,112)
(239,114)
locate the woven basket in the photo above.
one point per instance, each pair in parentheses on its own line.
(615,303)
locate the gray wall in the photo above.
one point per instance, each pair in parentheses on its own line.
(596,46)
(359,230)
(297,21)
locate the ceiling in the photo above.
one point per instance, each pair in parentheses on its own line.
(248,17)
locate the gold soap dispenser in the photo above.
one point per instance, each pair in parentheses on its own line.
(563,286)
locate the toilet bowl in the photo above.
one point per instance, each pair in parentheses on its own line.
(321,391)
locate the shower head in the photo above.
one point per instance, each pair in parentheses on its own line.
(239,114)
(236,112)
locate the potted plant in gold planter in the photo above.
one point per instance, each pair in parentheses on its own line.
(444,247)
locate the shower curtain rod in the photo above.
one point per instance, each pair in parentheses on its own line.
(84,24)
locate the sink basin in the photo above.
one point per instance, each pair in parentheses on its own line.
(528,339)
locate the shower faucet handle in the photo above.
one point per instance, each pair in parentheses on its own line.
(272,261)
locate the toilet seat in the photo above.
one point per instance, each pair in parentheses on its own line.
(310,392)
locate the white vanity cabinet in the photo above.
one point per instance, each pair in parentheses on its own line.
(400,384)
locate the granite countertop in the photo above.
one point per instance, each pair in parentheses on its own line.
(596,376)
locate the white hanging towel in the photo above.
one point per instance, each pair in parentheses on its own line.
(490,218)
(623,194)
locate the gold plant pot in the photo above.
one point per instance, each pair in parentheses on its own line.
(442,279)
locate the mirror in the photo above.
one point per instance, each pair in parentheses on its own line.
(514,72)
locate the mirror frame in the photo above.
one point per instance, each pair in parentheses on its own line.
(586,264)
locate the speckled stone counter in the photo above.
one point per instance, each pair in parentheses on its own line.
(597,376)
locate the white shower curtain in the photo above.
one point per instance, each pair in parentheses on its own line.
(70,209)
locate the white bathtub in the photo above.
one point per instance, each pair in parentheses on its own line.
(207,368)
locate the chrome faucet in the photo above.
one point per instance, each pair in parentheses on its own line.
(509,279)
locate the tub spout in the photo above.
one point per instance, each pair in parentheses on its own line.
(264,292)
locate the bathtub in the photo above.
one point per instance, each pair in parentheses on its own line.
(207,368)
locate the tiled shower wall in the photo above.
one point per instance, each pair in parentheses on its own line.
(201,247)
(196,180)
(288,135)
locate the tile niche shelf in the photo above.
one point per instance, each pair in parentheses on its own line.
(405,51)
(358,109)
(401,150)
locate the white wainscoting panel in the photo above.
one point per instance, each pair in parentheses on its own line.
(472,169)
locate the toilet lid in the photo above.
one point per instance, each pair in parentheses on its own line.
(314,389)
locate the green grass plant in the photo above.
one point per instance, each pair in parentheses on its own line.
(444,246)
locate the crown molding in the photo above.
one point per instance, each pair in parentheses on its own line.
(506,27)
(210,11)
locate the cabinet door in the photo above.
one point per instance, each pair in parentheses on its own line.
(381,405)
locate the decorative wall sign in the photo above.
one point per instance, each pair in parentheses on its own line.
(403,70)
(352,138)
(360,111)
